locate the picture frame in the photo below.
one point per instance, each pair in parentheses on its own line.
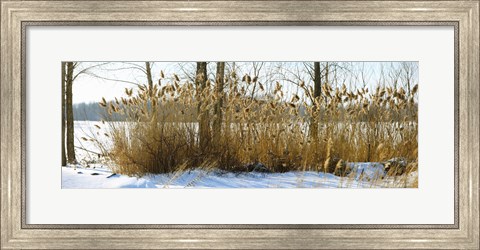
(17,15)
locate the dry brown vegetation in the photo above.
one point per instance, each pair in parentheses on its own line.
(354,125)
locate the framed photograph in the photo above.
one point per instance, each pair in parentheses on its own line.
(240,124)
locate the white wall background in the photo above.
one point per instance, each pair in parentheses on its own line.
(431,203)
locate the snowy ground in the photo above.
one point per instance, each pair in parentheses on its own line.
(103,178)
(97,175)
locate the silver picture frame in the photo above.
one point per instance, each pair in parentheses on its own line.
(17,16)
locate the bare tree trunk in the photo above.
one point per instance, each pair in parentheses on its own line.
(69,110)
(317,91)
(326,75)
(203,113)
(148,70)
(217,123)
(64,157)
(256,72)
(153,109)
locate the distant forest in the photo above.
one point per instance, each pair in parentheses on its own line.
(93,112)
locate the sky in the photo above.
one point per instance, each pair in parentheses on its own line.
(109,79)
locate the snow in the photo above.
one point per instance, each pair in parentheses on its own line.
(78,177)
(83,178)
(87,129)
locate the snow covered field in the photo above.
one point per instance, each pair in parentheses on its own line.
(91,174)
(103,178)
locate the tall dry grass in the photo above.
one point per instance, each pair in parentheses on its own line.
(354,125)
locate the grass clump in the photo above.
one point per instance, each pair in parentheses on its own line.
(175,126)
